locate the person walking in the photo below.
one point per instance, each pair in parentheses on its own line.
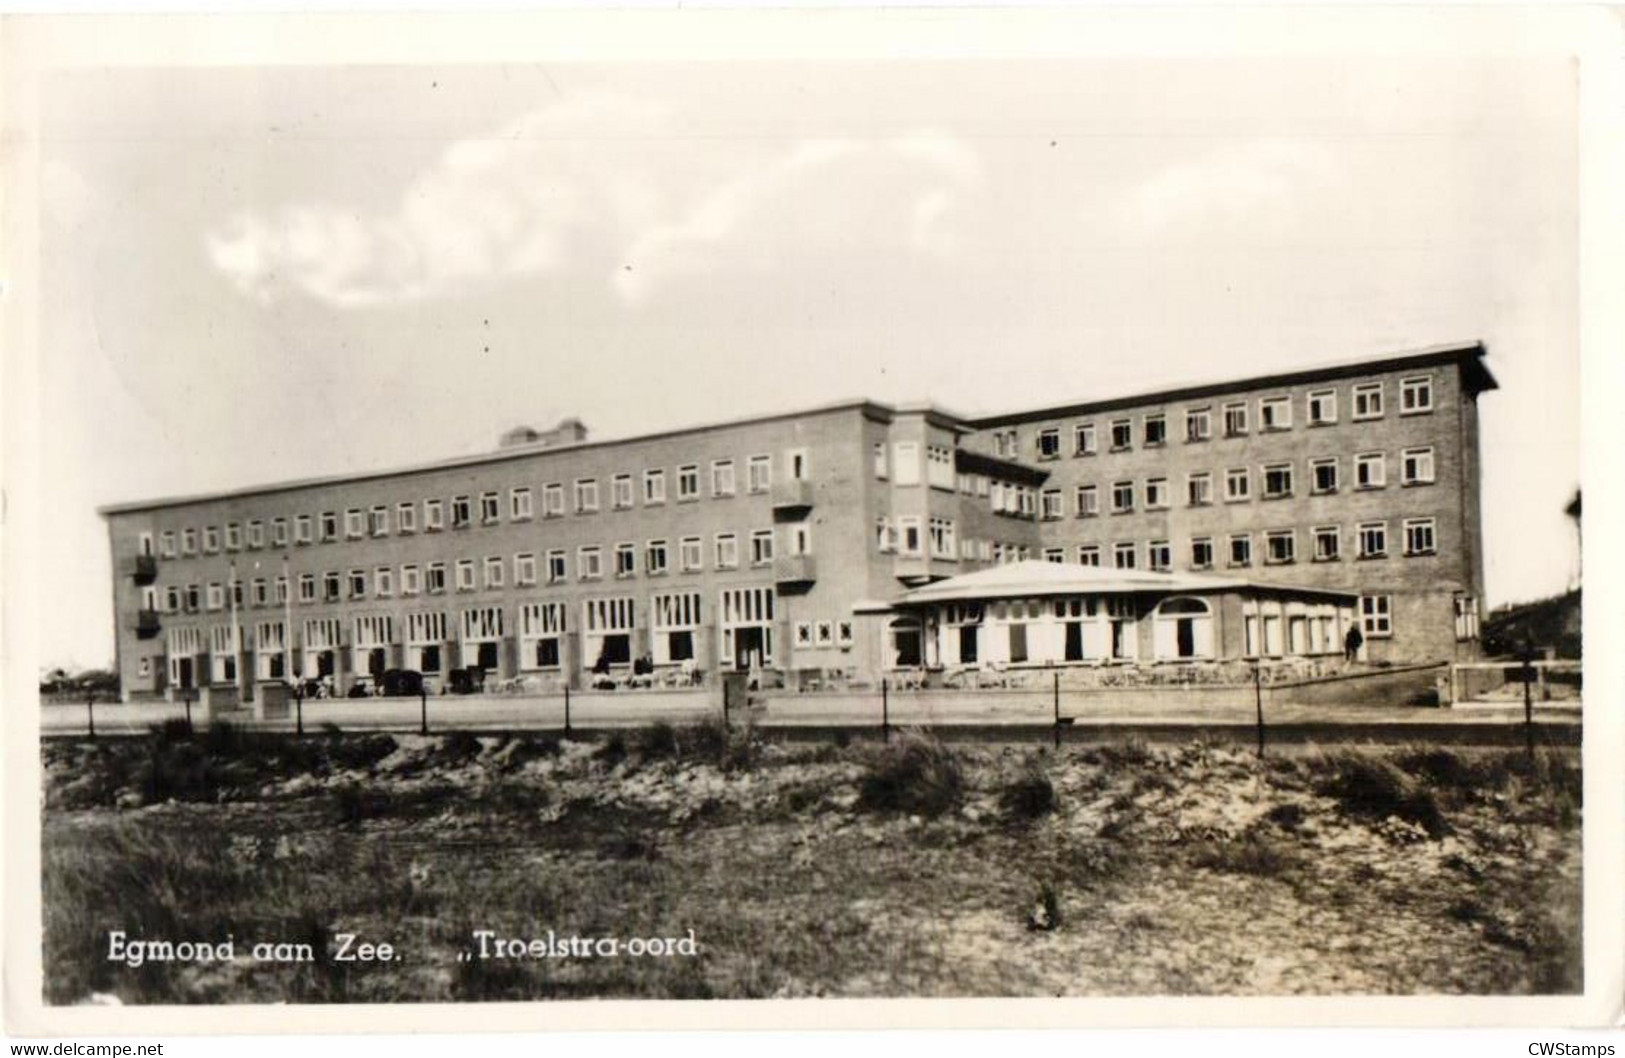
(1352,643)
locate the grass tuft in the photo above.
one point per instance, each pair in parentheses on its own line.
(916,774)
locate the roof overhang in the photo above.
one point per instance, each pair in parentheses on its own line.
(1033,578)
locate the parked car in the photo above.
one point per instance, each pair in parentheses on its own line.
(401,683)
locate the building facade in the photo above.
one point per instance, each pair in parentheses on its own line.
(758,543)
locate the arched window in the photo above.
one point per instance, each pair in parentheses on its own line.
(1183,628)
(1183,604)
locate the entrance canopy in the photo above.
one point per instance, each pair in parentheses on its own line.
(1036,579)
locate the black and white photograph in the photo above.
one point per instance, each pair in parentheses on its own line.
(612,511)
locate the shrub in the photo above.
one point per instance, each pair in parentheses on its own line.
(175,729)
(459,746)
(611,748)
(1287,816)
(1371,787)
(915,774)
(362,752)
(1029,796)
(1251,854)
(655,741)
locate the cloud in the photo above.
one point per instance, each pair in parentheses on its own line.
(1250,189)
(600,184)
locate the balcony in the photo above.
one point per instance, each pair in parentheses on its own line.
(146,623)
(142,568)
(792,570)
(792,496)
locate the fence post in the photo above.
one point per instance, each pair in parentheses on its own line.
(885,712)
(186,696)
(299,711)
(1528,705)
(1258,699)
(90,712)
(1057,697)
(423,705)
(567,708)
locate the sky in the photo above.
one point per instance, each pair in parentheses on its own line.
(258,273)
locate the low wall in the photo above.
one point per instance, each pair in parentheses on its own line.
(1412,685)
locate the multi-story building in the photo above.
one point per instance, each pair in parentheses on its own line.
(756,542)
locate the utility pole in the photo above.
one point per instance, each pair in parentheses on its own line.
(90,711)
(885,712)
(1258,700)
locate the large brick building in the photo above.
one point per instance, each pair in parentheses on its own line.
(762,541)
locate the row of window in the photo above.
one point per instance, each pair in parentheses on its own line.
(1368,400)
(1416,467)
(658,558)
(467,510)
(1280,547)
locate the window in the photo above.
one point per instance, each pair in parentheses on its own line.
(939,467)
(434,578)
(1122,497)
(722,477)
(727,551)
(256,534)
(1083,439)
(1328,543)
(1280,546)
(358,584)
(211,539)
(282,589)
(302,529)
(586,495)
(378,521)
(1005,442)
(465,574)
(1088,500)
(355,524)
(409,580)
(761,547)
(216,596)
(885,535)
(655,558)
(1198,424)
(1419,536)
(1376,616)
(1322,476)
(881,470)
(590,563)
(188,541)
(906,463)
(434,516)
(307,587)
(759,473)
(1088,554)
(1049,443)
(688,482)
(553,500)
(406,517)
(166,543)
(796,464)
(908,532)
(1122,434)
(1123,555)
(1202,552)
(261,595)
(1056,555)
(1415,395)
(626,560)
(1373,538)
(1416,466)
(1235,419)
(1050,508)
(462,512)
(1241,549)
(490,508)
(332,586)
(1368,400)
(1274,413)
(1466,607)
(234,537)
(1277,480)
(495,571)
(383,579)
(1322,407)
(1199,489)
(1156,494)
(1156,430)
(1370,471)
(688,554)
(1159,555)
(557,566)
(519,504)
(654,487)
(540,625)
(943,536)
(330,526)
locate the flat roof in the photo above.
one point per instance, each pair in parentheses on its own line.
(1032,577)
(512,452)
(1469,354)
